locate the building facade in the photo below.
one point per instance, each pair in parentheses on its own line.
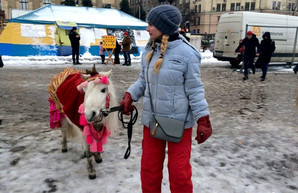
(7,5)
(205,14)
(147,5)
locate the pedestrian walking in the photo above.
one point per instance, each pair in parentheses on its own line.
(75,45)
(250,43)
(295,69)
(102,53)
(267,47)
(117,53)
(126,42)
(170,82)
(1,62)
(182,32)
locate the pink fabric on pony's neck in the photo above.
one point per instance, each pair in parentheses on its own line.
(95,139)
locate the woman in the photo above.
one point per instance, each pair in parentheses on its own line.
(177,92)
(102,53)
(267,47)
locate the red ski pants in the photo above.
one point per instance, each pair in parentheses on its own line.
(178,163)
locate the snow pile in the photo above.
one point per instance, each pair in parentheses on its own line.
(86,58)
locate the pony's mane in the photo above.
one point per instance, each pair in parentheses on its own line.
(92,72)
(112,121)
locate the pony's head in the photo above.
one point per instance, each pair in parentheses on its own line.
(99,95)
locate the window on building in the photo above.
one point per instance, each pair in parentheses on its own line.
(278,5)
(0,5)
(237,6)
(198,31)
(24,4)
(247,6)
(46,2)
(273,4)
(199,21)
(200,8)
(223,7)
(218,7)
(196,8)
(194,20)
(232,6)
(253,6)
(291,6)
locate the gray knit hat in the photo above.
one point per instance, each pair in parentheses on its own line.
(166,18)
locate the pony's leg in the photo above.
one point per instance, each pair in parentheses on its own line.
(97,157)
(64,128)
(88,154)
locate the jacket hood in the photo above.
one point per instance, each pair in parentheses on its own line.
(267,34)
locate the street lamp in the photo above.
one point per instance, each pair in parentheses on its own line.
(139,2)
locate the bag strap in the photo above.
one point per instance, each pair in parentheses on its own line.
(150,96)
(149,91)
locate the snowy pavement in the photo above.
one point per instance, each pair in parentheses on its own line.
(253,148)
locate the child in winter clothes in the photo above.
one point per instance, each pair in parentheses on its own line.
(177,92)
(102,53)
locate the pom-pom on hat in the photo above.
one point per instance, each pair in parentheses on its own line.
(249,33)
(165,18)
(125,33)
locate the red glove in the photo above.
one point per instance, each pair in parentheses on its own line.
(126,103)
(204,130)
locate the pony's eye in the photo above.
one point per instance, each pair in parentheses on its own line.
(103,90)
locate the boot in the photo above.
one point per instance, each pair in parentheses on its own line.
(78,63)
(129,63)
(295,70)
(263,79)
(245,77)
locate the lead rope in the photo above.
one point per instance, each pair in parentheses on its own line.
(128,125)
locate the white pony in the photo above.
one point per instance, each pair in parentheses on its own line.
(98,92)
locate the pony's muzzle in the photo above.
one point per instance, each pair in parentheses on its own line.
(90,117)
(93,117)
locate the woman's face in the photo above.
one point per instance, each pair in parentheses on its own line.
(153,32)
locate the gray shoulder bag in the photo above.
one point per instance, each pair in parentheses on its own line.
(165,128)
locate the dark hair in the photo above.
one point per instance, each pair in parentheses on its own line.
(74,28)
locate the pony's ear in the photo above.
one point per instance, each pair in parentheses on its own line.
(106,73)
(85,76)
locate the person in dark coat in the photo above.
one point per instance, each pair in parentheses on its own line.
(117,52)
(126,48)
(267,47)
(182,32)
(295,69)
(250,43)
(1,62)
(75,45)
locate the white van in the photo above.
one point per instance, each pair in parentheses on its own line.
(232,27)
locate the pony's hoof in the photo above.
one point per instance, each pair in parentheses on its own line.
(92,176)
(98,161)
(64,150)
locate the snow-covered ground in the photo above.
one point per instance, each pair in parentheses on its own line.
(253,148)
